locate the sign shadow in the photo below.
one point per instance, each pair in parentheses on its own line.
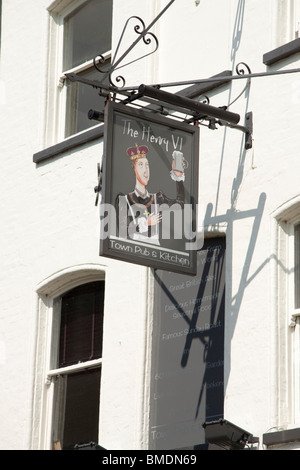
(189,381)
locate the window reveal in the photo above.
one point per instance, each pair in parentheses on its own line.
(81,324)
(77,392)
(87,34)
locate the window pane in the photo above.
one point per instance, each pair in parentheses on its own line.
(76,409)
(297,370)
(297,266)
(81,324)
(87,32)
(80,99)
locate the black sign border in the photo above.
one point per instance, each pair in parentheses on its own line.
(193,130)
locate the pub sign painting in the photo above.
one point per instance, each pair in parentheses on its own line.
(150,189)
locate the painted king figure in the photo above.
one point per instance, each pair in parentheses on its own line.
(138,212)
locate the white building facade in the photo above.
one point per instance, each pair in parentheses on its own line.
(50,268)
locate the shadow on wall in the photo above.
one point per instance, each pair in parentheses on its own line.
(188,382)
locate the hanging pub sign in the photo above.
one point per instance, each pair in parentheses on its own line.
(150,189)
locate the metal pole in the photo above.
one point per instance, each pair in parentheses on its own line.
(228,78)
(187,103)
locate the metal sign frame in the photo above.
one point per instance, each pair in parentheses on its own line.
(172,195)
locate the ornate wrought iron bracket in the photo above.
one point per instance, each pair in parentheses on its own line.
(199,111)
(148,39)
(153,95)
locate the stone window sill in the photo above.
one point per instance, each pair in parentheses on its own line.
(281,437)
(282,52)
(69,144)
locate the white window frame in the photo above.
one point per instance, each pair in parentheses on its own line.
(49,294)
(294,323)
(294,312)
(287,20)
(296,377)
(57,93)
(285,355)
(297,18)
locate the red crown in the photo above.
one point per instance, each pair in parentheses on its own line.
(137,152)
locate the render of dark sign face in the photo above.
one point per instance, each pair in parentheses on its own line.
(151,181)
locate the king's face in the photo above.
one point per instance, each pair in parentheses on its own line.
(142,170)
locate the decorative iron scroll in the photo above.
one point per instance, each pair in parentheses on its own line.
(242,69)
(148,39)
